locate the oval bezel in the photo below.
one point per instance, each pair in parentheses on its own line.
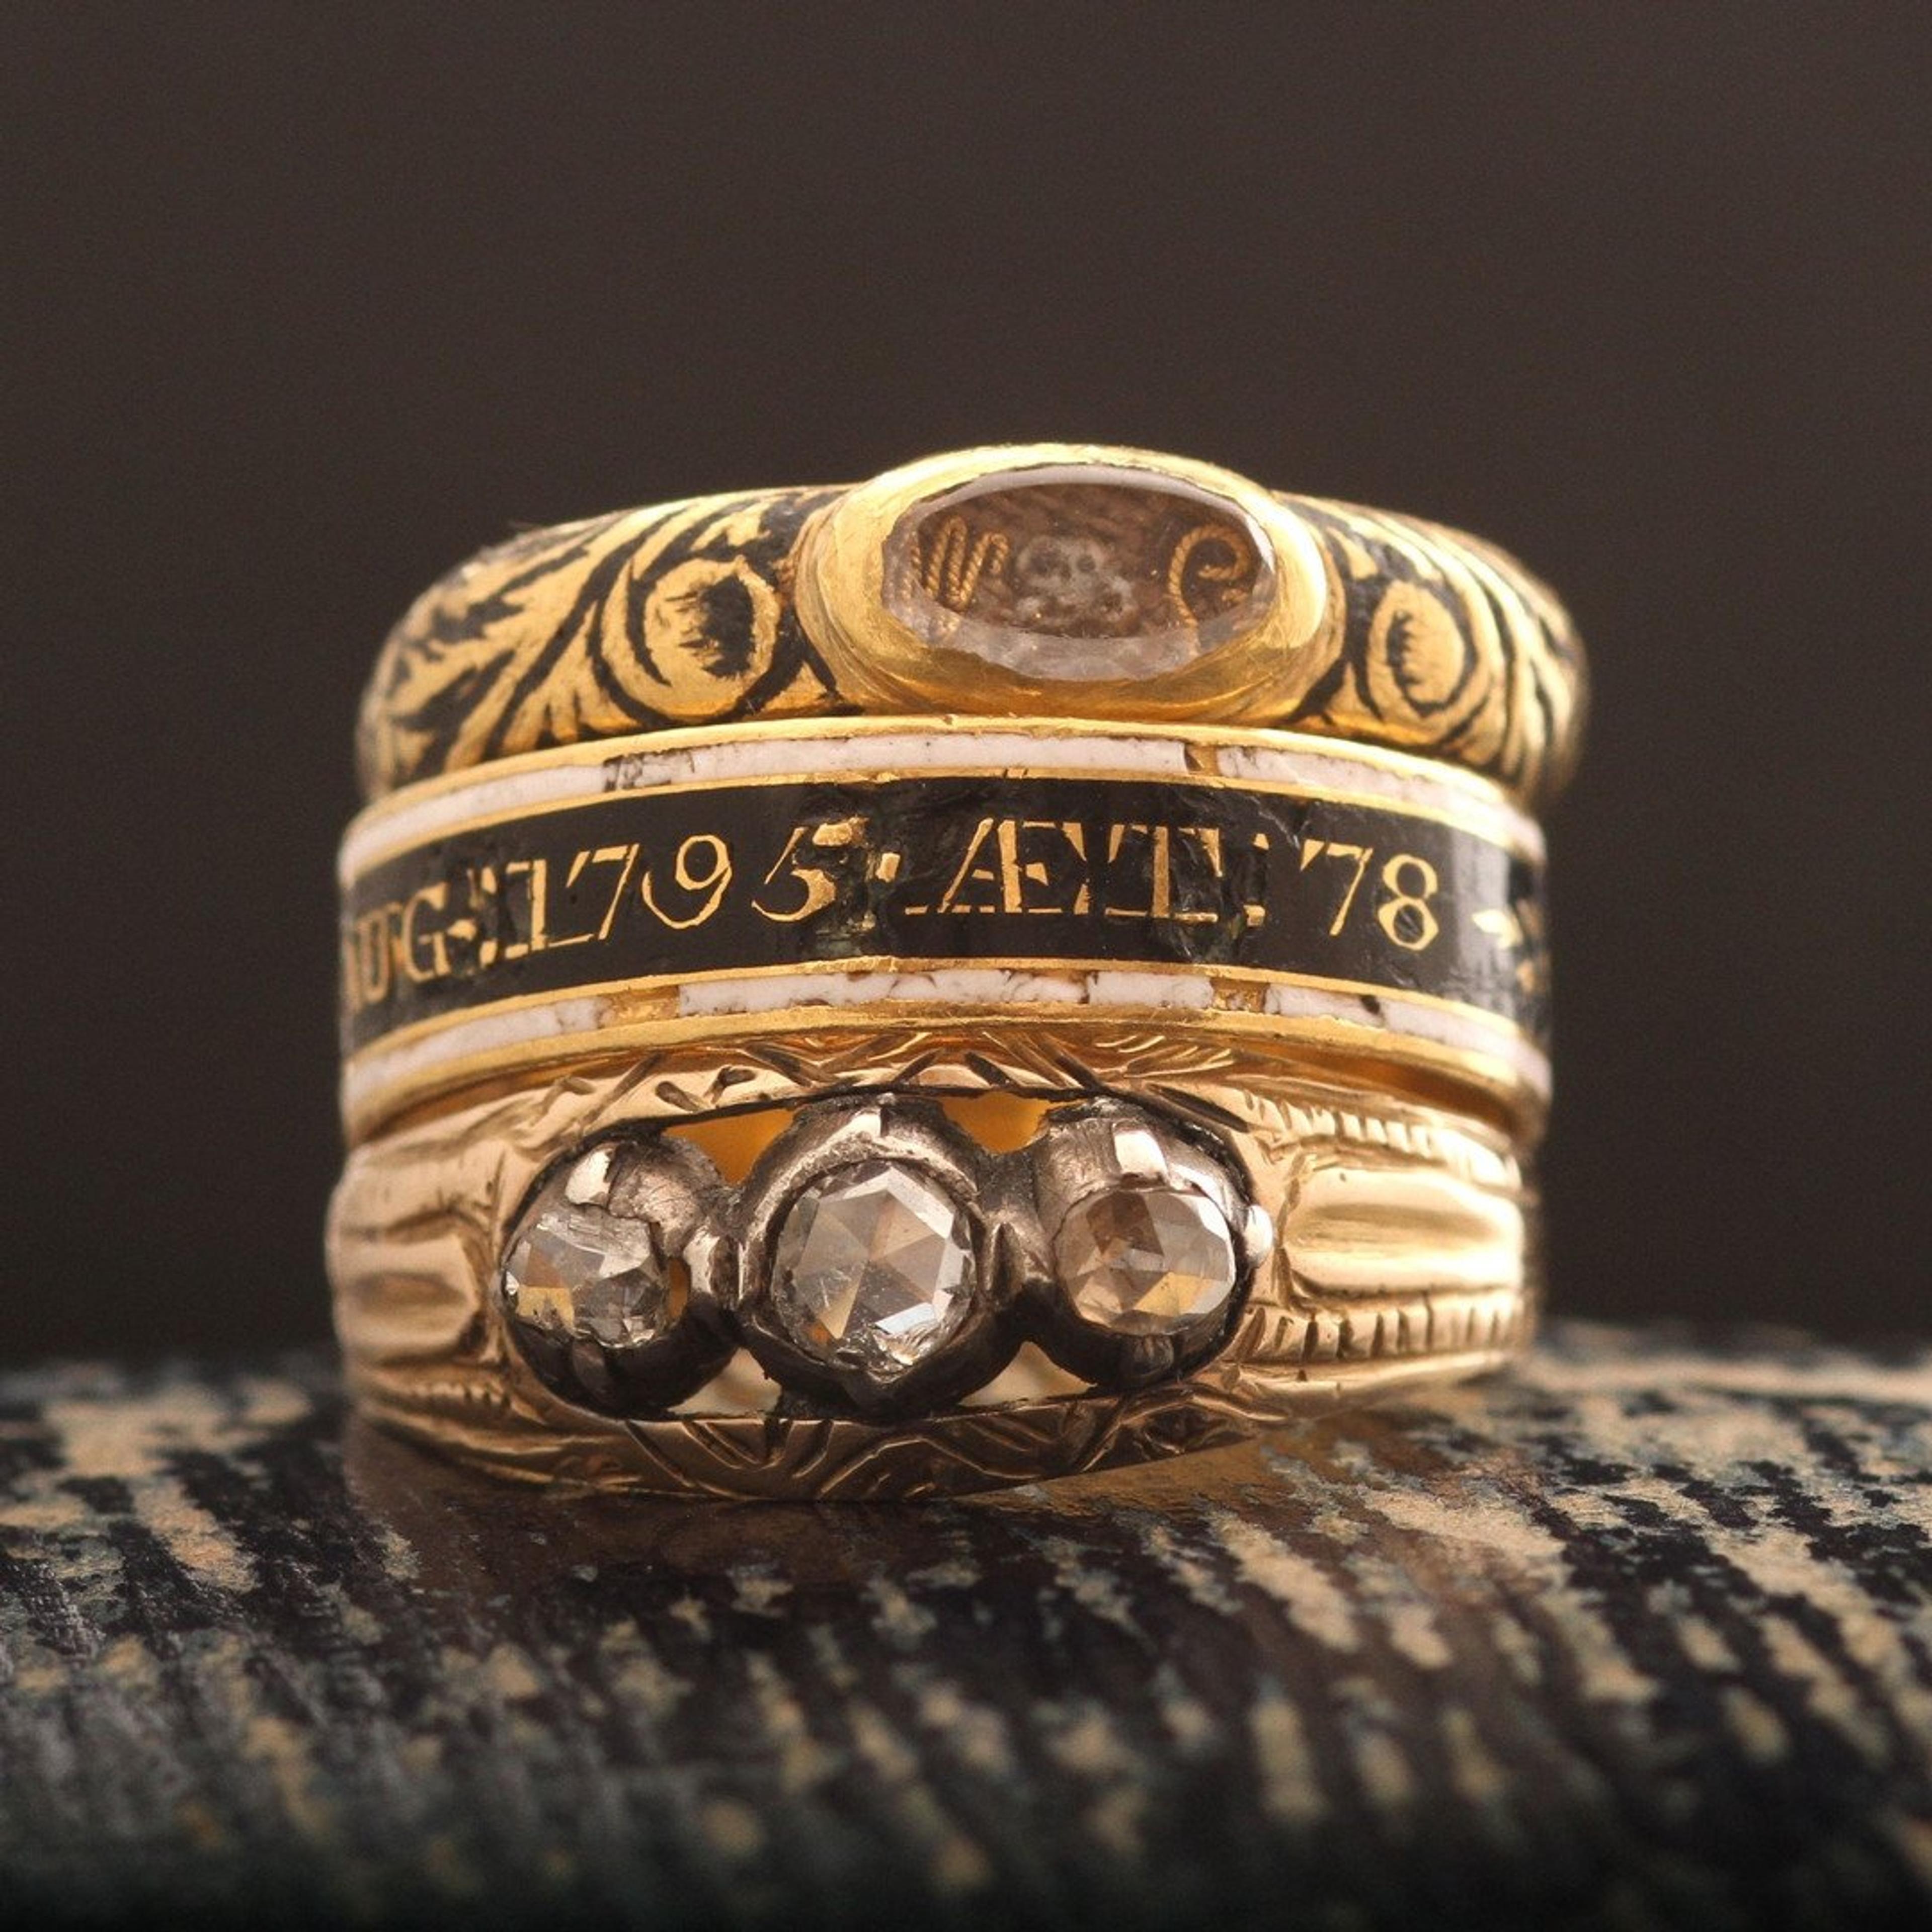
(874,653)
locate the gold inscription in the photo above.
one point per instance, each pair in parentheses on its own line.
(702,869)
(1406,914)
(840,870)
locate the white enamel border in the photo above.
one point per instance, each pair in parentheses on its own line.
(580,1019)
(545,781)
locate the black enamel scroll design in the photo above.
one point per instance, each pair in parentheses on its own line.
(643,621)
(1446,646)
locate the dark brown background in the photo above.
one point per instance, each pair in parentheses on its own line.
(301,308)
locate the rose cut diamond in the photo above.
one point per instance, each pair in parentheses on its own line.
(576,1272)
(874,1262)
(1146,1258)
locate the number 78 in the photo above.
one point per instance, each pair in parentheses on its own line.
(1406,915)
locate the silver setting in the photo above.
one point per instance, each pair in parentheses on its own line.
(1148,1242)
(876,1262)
(595,1286)
(895,1155)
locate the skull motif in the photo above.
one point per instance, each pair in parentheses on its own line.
(1064,586)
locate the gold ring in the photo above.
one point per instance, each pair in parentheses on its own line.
(1222,603)
(1032,962)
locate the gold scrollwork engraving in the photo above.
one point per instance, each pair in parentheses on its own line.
(1369,626)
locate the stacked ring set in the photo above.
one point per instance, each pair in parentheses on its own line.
(1032,962)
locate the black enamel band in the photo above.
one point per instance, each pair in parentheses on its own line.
(1032,872)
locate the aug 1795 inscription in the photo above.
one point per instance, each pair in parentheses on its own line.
(1027,869)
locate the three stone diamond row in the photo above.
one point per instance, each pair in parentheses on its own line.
(877,1260)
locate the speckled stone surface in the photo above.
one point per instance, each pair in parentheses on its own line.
(1639,1636)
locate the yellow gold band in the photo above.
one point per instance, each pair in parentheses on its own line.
(1401,1251)
(1034,961)
(955,585)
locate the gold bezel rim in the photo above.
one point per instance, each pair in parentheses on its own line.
(839,588)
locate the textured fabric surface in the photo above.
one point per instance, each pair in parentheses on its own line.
(1640,1635)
